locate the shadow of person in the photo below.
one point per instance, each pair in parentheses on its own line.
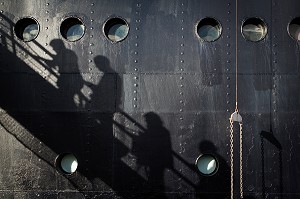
(153,151)
(69,82)
(216,185)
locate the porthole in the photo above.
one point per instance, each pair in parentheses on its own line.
(294,29)
(67,163)
(27,29)
(254,29)
(72,29)
(116,29)
(208,29)
(207,164)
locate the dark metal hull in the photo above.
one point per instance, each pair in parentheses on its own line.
(138,113)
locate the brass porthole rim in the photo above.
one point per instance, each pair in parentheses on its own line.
(196,29)
(265,26)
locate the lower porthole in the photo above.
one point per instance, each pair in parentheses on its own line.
(67,163)
(207,164)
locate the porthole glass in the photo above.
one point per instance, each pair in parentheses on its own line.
(67,163)
(27,29)
(72,29)
(209,29)
(207,164)
(254,29)
(294,29)
(116,29)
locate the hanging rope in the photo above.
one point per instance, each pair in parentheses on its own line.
(236,117)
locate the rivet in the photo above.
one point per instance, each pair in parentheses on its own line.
(182,20)
(182,28)
(138,5)
(228,102)
(90,60)
(181,93)
(227,93)
(228,36)
(182,53)
(92,20)
(136,78)
(138,20)
(228,86)
(181,44)
(136,36)
(228,69)
(135,61)
(182,12)
(227,45)
(228,61)
(92,28)
(134,106)
(47,19)
(91,52)
(228,12)
(47,11)
(136,44)
(137,28)
(180,110)
(1,11)
(136,69)
(181,118)
(135,99)
(228,20)
(182,61)
(134,91)
(229,4)
(135,85)
(181,101)
(135,53)
(181,69)
(228,53)
(92,4)
(181,78)
(46,44)
(275,61)
(92,12)
(182,37)
(228,78)
(181,85)
(47,4)
(91,36)
(137,12)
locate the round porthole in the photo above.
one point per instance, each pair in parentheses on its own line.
(207,164)
(27,29)
(294,29)
(72,29)
(116,29)
(67,163)
(208,29)
(254,29)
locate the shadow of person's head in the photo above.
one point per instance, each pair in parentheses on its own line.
(57,44)
(153,120)
(103,64)
(207,146)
